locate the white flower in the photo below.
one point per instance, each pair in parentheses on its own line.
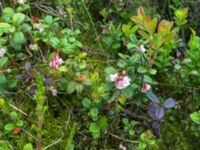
(37,26)
(53,91)
(113,77)
(33,47)
(145,88)
(122,147)
(41,29)
(2,52)
(56,61)
(120,82)
(141,48)
(21,1)
(60,61)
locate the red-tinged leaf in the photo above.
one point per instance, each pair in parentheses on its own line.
(153,26)
(80,78)
(137,20)
(141,19)
(134,18)
(147,23)
(140,12)
(164,27)
(16,130)
(167,37)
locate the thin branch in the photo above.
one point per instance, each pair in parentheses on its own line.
(122,139)
(18,110)
(29,134)
(54,143)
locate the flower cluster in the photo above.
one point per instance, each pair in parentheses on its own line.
(38,27)
(53,91)
(145,87)
(122,147)
(141,48)
(121,80)
(33,47)
(56,61)
(105,30)
(2,52)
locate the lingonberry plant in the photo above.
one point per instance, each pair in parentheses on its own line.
(70,84)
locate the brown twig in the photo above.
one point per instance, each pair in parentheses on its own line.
(19,110)
(122,139)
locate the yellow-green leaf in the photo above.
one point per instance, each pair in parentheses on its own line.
(5,27)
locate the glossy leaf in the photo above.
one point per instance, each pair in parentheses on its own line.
(28,147)
(102,122)
(23,8)
(152,97)
(79,88)
(3,61)
(159,112)
(18,19)
(94,112)
(144,34)
(195,116)
(152,110)
(19,38)
(86,103)
(8,12)
(153,26)
(169,103)
(94,128)
(156,112)
(110,70)
(2,79)
(9,127)
(71,87)
(5,27)
(167,37)
(142,69)
(164,27)
(127,92)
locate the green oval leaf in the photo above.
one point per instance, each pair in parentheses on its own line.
(94,112)
(3,61)
(18,19)
(28,147)
(9,127)
(86,103)
(71,87)
(142,69)
(94,128)
(5,27)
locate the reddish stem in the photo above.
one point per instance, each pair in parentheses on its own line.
(39,133)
